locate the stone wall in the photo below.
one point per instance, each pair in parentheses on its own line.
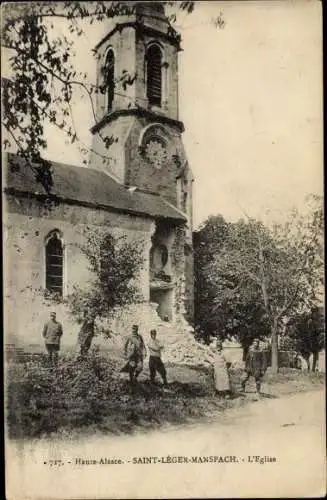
(129,48)
(169,76)
(26,226)
(189,283)
(123,45)
(140,172)
(111,160)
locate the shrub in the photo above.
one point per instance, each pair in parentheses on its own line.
(115,263)
(85,394)
(42,399)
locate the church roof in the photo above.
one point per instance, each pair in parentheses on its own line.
(88,187)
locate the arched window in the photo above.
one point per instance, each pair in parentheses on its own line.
(54,263)
(110,78)
(154,75)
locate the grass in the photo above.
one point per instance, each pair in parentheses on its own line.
(91,396)
(290,381)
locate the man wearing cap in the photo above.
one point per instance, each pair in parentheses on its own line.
(135,352)
(255,365)
(52,333)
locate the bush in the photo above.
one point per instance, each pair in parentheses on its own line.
(42,399)
(83,394)
(115,263)
(88,396)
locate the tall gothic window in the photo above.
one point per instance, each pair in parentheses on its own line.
(110,78)
(54,263)
(154,75)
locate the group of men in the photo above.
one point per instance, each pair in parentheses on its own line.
(134,348)
(135,351)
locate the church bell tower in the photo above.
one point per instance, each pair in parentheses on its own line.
(137,135)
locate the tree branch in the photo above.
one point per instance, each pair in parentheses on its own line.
(47,9)
(7,127)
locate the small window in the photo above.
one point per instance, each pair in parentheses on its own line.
(110,79)
(54,264)
(154,75)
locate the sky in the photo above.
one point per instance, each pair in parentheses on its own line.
(254,121)
(250,100)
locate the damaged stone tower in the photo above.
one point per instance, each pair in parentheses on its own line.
(137,113)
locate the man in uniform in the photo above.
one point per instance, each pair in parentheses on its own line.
(255,365)
(134,351)
(52,333)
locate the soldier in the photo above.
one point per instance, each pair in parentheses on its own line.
(255,365)
(52,333)
(134,350)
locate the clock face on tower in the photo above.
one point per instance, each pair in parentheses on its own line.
(155,152)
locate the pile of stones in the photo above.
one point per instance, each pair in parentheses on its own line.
(180,347)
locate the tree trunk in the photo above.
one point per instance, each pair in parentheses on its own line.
(315,360)
(274,349)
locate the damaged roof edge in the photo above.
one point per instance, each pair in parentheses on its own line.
(109,208)
(90,188)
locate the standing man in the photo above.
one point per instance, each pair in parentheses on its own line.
(52,333)
(155,362)
(255,365)
(135,352)
(86,334)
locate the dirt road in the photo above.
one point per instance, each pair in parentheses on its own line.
(270,448)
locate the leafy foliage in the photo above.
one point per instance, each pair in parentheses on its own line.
(44,77)
(39,399)
(256,276)
(79,397)
(115,263)
(306,331)
(27,98)
(225,303)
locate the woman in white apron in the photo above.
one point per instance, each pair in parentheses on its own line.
(220,365)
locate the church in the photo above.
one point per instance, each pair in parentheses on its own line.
(144,192)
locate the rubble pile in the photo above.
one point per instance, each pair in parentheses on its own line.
(180,347)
